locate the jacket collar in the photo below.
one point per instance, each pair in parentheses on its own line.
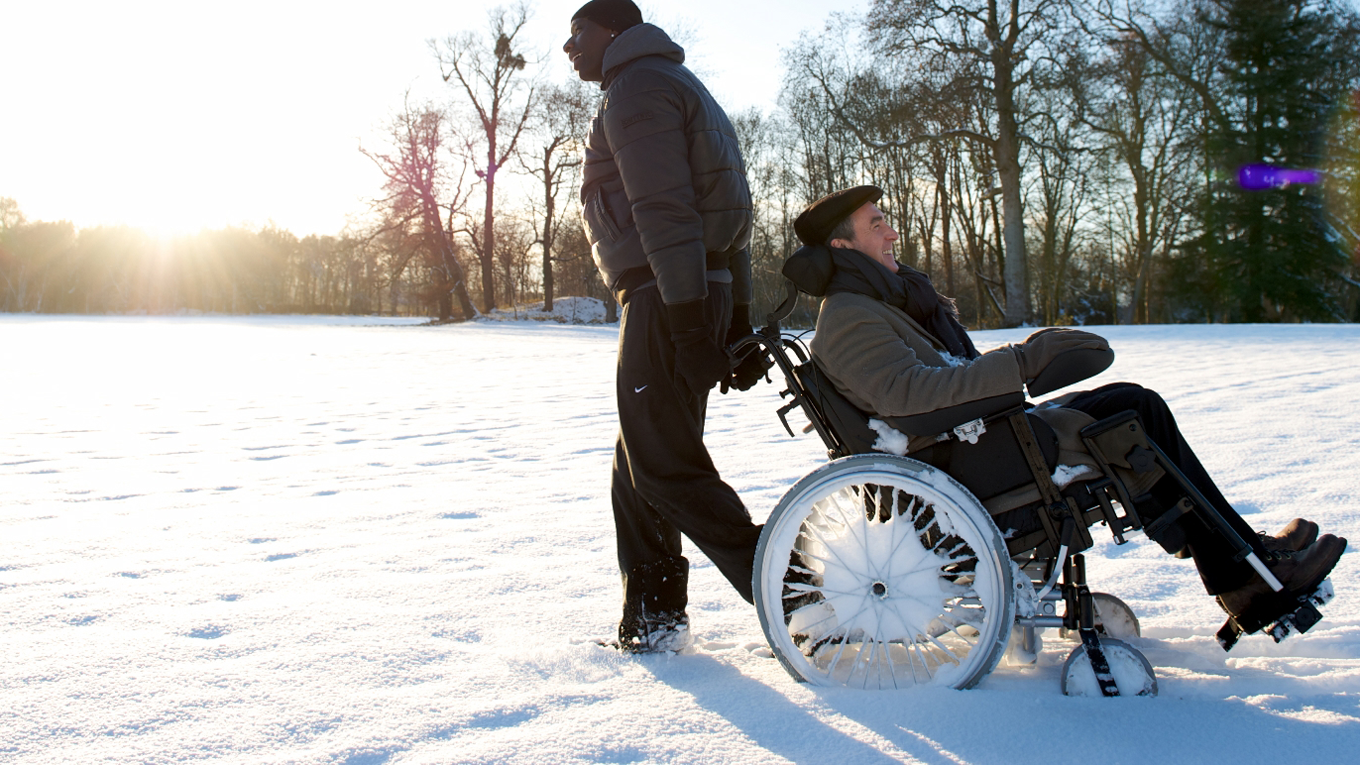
(634,43)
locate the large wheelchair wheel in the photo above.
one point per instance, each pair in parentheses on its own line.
(877,571)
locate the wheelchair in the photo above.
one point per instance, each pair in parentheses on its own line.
(882,571)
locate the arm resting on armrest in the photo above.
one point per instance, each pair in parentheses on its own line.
(1070,367)
(946,419)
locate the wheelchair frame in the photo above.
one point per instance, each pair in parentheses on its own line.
(1055,565)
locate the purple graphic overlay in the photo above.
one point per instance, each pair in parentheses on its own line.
(1265,177)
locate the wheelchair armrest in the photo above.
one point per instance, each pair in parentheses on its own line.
(946,419)
(1069,367)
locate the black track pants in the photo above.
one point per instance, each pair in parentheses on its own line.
(664,481)
(1212,554)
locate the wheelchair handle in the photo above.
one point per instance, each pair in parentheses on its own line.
(785,308)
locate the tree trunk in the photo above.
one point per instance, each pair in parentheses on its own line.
(1013,222)
(548,207)
(946,251)
(1007,156)
(489,230)
(459,282)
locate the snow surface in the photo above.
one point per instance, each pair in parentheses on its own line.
(303,539)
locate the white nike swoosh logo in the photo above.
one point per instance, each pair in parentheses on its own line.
(639,390)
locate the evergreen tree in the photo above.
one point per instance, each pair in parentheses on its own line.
(1271,250)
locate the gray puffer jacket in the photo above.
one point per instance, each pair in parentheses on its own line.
(664,184)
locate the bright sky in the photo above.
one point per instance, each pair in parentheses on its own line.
(176,116)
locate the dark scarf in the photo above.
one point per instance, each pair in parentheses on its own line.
(909,290)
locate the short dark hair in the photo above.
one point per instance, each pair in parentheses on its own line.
(843,230)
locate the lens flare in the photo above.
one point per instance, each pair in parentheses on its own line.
(1266,177)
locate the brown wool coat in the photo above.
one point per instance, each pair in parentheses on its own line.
(884,362)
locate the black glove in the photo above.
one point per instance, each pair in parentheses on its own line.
(1040,348)
(751,368)
(699,362)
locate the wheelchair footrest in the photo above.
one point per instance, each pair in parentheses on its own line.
(1298,616)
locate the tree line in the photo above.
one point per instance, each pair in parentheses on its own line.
(53,267)
(1045,161)
(1090,161)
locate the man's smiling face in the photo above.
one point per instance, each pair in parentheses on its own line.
(873,236)
(585,48)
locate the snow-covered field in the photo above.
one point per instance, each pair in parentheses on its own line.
(268,540)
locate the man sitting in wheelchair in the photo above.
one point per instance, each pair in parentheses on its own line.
(893,347)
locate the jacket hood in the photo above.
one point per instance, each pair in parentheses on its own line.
(634,43)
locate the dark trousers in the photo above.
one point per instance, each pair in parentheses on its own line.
(1212,554)
(664,482)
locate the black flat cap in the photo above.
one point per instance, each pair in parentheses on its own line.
(814,225)
(617,15)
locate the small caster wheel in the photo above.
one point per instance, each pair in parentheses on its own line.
(1132,673)
(1114,618)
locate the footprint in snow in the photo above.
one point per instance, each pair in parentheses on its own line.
(759,649)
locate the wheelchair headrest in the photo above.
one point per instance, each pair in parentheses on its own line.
(810,269)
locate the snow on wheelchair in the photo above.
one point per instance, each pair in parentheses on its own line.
(886,571)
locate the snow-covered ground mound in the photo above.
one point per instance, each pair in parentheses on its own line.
(567,310)
(299,540)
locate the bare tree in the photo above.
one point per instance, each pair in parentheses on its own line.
(974,207)
(1062,193)
(11,268)
(992,48)
(416,178)
(938,112)
(1143,118)
(562,119)
(514,241)
(493,81)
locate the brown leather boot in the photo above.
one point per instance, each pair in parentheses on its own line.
(1296,536)
(1299,571)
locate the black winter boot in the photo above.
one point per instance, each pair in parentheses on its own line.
(654,599)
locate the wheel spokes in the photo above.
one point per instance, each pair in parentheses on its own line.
(877,582)
(842,540)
